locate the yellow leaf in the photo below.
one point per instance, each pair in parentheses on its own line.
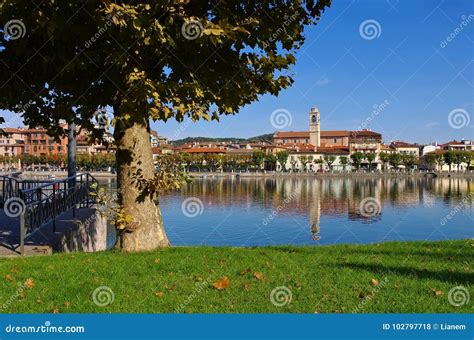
(258,276)
(374,282)
(29,283)
(222,283)
(159,294)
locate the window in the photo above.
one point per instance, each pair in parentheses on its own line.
(335,140)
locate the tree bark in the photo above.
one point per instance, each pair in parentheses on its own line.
(134,152)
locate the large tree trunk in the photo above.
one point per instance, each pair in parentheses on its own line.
(134,152)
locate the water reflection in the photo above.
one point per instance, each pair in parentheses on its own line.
(262,211)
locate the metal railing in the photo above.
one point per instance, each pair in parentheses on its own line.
(44,203)
(11,185)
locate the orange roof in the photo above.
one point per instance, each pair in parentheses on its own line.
(400,144)
(335,133)
(12,130)
(205,150)
(156,151)
(292,134)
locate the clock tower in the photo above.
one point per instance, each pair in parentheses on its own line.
(314,127)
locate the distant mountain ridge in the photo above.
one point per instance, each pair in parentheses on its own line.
(266,137)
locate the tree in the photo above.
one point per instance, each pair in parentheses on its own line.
(430,160)
(450,158)
(145,60)
(271,161)
(357,158)
(257,158)
(384,158)
(370,157)
(409,161)
(344,161)
(329,160)
(282,157)
(395,159)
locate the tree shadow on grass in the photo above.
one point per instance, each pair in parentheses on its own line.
(442,275)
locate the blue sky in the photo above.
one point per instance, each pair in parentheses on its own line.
(405,66)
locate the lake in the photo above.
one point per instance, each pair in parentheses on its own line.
(316,211)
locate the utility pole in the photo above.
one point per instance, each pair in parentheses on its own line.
(71,154)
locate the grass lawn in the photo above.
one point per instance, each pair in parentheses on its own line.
(384,278)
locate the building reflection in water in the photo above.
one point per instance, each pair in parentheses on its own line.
(314,197)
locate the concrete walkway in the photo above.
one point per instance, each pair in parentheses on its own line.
(42,241)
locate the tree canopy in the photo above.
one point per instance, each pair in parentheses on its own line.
(163,60)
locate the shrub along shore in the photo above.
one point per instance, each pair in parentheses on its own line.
(394,277)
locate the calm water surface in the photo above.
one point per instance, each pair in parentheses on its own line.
(312,211)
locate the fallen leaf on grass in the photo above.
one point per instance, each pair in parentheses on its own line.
(55,311)
(29,283)
(222,283)
(67,304)
(243,272)
(437,292)
(259,276)
(8,277)
(159,294)
(246,286)
(374,282)
(157,260)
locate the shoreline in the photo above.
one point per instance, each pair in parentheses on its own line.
(108,175)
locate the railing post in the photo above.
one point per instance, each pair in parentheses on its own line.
(22,233)
(53,202)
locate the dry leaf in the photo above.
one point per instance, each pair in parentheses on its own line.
(437,292)
(67,304)
(159,294)
(8,277)
(243,272)
(258,276)
(55,311)
(221,283)
(246,286)
(29,283)
(157,260)
(374,282)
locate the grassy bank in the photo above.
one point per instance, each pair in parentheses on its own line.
(389,277)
